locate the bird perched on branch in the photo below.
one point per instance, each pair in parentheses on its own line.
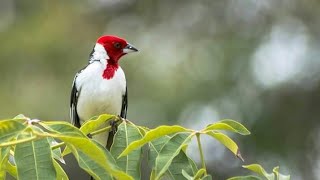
(100,87)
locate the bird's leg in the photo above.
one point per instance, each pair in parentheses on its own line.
(114,125)
(114,128)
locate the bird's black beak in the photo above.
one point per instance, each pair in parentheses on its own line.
(129,48)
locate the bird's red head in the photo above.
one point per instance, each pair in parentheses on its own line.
(115,47)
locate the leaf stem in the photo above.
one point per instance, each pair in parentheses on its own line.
(57,145)
(11,143)
(100,130)
(201,153)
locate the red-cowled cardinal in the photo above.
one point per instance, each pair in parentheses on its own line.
(100,87)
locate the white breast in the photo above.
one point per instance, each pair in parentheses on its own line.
(98,95)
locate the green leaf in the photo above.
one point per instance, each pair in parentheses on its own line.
(12,170)
(143,130)
(276,172)
(73,136)
(126,134)
(229,125)
(193,165)
(259,170)
(154,149)
(3,173)
(280,176)
(90,166)
(207,177)
(61,175)
(241,129)
(154,134)
(66,151)
(85,162)
(186,175)
(95,124)
(179,163)
(169,151)
(153,175)
(4,156)
(10,129)
(227,142)
(245,178)
(56,153)
(67,128)
(33,159)
(4,153)
(60,127)
(200,173)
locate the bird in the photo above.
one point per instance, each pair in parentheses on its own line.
(100,87)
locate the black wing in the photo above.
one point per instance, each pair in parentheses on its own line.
(75,120)
(124,107)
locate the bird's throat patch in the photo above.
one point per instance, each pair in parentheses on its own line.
(110,70)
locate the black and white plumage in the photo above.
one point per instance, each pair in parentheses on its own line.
(100,87)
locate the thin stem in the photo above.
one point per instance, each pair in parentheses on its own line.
(18,141)
(201,153)
(100,130)
(57,145)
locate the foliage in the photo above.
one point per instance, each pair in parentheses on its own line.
(262,173)
(30,149)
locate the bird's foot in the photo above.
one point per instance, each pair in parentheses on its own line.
(114,126)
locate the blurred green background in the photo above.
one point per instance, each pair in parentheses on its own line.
(254,61)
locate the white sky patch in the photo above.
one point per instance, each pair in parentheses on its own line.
(281,56)
(197,116)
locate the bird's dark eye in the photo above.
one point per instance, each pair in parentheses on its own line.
(117,45)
